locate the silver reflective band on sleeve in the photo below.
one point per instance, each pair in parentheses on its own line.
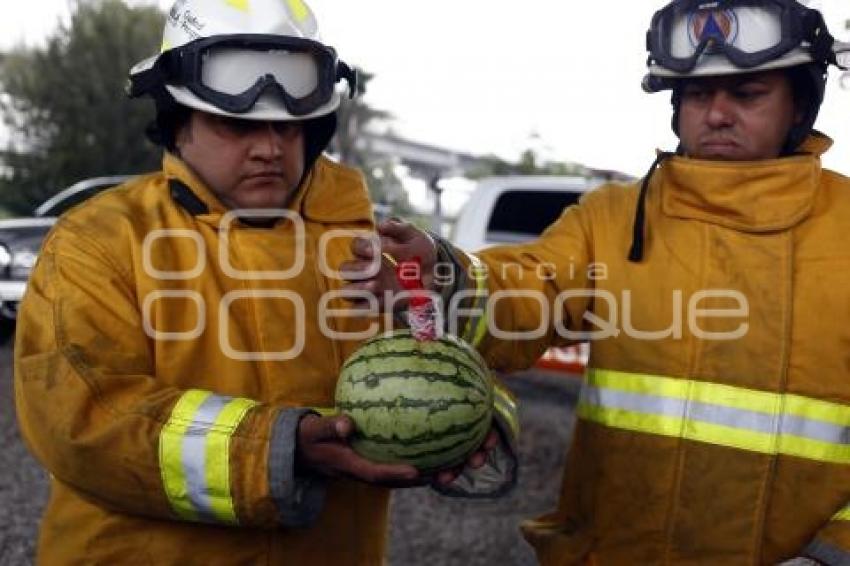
(506,408)
(476,327)
(758,421)
(194,454)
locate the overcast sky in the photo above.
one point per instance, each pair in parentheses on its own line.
(495,76)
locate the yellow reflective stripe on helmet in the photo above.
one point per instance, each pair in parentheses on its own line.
(843,515)
(241,5)
(299,10)
(195,455)
(476,329)
(505,405)
(759,421)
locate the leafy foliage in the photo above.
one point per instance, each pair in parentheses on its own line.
(65,106)
(528,163)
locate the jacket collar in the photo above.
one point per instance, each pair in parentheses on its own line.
(756,196)
(330,193)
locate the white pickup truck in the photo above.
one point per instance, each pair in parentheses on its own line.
(510,210)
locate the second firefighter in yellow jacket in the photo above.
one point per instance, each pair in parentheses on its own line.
(714,424)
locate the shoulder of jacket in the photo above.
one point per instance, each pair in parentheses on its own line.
(835,178)
(107,216)
(339,173)
(337,194)
(124,200)
(611,199)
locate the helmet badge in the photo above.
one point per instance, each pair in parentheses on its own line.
(716,27)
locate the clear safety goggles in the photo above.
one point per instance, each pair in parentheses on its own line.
(232,72)
(749,33)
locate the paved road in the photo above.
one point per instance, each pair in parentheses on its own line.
(425,528)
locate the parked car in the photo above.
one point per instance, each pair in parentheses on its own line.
(512,210)
(20,241)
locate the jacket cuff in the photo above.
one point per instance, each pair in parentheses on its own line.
(447,255)
(299,499)
(497,477)
(827,553)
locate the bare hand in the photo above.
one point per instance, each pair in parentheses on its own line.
(474,461)
(401,241)
(323,447)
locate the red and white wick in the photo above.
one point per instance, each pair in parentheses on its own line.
(421,312)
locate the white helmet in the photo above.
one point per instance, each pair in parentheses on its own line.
(693,38)
(251,59)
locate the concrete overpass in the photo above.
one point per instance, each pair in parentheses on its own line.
(424,161)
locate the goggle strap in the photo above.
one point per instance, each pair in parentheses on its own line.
(349,75)
(820,40)
(146,82)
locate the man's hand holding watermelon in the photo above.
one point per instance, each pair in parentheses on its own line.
(402,242)
(323,448)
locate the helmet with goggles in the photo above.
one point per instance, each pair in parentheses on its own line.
(697,38)
(256,60)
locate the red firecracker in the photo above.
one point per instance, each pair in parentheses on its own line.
(421,313)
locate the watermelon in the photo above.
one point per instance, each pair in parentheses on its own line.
(425,403)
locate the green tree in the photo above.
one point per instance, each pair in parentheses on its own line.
(65,105)
(529,163)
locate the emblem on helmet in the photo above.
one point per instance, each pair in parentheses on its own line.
(717,27)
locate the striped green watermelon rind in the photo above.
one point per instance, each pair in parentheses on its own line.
(428,404)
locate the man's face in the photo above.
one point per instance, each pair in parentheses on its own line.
(246,163)
(737,117)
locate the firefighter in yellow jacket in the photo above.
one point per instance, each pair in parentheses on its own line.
(176,330)
(714,424)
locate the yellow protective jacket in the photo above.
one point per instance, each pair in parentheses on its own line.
(714,425)
(164,350)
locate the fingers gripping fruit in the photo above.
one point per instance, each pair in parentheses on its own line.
(425,403)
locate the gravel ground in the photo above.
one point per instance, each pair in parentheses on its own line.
(425,527)
(23,483)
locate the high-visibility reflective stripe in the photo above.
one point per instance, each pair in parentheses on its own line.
(759,421)
(241,5)
(325,411)
(474,333)
(843,515)
(505,405)
(195,455)
(171,449)
(218,458)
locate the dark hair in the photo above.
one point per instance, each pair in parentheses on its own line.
(808,83)
(170,117)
